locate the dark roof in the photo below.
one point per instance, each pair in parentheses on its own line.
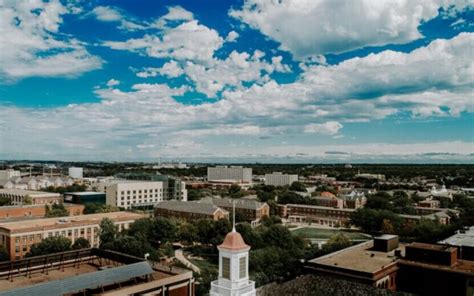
(239,203)
(188,207)
(82,282)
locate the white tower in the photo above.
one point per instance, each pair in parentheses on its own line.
(233,277)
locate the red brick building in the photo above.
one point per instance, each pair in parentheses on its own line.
(38,211)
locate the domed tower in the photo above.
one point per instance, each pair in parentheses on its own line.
(233,277)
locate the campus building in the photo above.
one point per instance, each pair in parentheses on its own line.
(173,187)
(85,197)
(190,210)
(19,236)
(20,197)
(128,194)
(8,174)
(249,210)
(326,216)
(280,179)
(235,174)
(34,211)
(328,201)
(417,268)
(93,272)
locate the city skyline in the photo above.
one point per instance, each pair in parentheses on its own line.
(233,81)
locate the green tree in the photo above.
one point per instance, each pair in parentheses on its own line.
(164,230)
(56,210)
(50,245)
(188,233)
(377,202)
(5,201)
(81,243)
(297,186)
(93,208)
(336,242)
(27,200)
(108,232)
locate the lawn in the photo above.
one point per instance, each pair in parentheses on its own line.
(203,264)
(309,232)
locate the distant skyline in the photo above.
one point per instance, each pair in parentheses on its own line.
(238,81)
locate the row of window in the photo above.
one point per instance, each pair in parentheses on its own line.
(140,191)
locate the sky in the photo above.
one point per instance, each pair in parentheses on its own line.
(238,81)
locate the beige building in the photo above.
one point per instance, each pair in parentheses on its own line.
(237,174)
(127,194)
(8,174)
(280,179)
(19,236)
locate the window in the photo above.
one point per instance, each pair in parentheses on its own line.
(242,267)
(226,268)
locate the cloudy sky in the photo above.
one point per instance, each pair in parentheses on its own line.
(253,80)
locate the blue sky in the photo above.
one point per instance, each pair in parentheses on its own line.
(298,81)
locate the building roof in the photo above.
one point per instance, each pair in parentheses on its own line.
(319,207)
(82,282)
(240,203)
(233,241)
(189,207)
(461,239)
(84,193)
(360,257)
(64,222)
(31,193)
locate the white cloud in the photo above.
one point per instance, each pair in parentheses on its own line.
(113,82)
(29,44)
(310,28)
(187,41)
(327,128)
(232,36)
(112,14)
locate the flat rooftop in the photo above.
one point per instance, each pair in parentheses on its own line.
(360,258)
(430,247)
(84,193)
(461,239)
(64,222)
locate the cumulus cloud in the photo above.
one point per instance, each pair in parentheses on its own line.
(113,14)
(188,41)
(310,28)
(327,128)
(113,82)
(29,44)
(232,36)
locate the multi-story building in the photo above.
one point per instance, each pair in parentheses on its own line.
(20,197)
(28,211)
(19,236)
(429,203)
(280,179)
(85,197)
(417,268)
(190,210)
(250,210)
(463,240)
(326,201)
(236,174)
(327,216)
(372,263)
(173,187)
(76,173)
(128,194)
(36,182)
(8,174)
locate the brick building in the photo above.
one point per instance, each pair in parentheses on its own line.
(18,196)
(316,214)
(328,201)
(190,210)
(250,210)
(8,212)
(19,236)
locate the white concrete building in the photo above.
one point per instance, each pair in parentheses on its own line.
(76,173)
(279,179)
(236,174)
(8,174)
(127,194)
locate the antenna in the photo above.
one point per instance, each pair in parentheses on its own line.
(233,216)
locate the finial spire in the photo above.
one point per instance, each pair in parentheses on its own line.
(233,215)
